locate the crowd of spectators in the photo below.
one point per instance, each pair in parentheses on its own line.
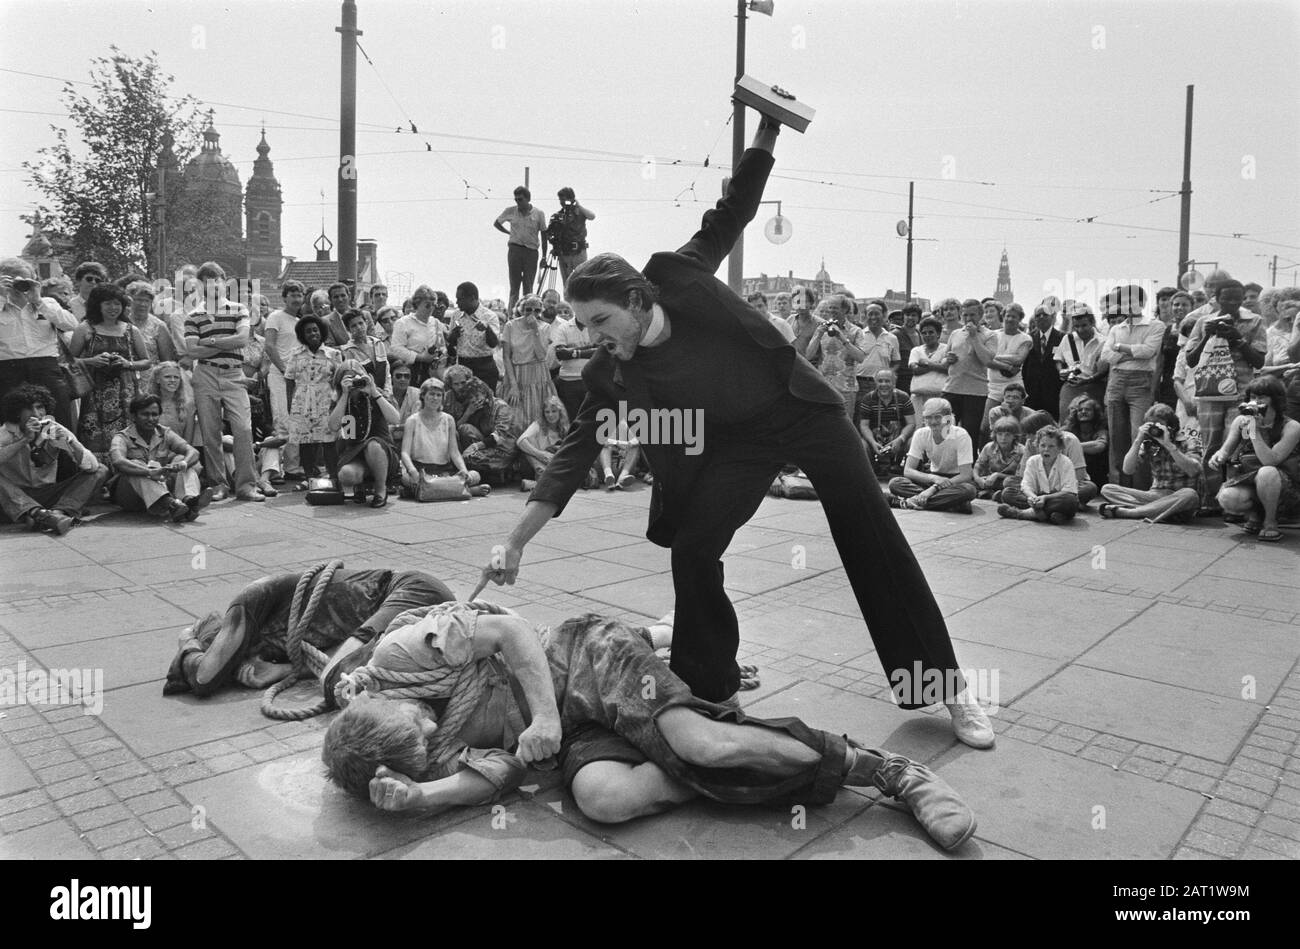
(162,402)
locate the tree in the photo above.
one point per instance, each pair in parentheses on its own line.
(97,190)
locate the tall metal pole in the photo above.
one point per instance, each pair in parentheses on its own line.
(348,144)
(736,260)
(911,191)
(1185,218)
(526,176)
(1273,281)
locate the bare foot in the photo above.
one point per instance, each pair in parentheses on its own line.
(258,673)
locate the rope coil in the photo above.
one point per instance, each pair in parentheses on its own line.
(307,660)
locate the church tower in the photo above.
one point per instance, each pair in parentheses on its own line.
(1003,293)
(207,225)
(262,207)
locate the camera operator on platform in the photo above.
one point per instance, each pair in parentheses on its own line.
(567,232)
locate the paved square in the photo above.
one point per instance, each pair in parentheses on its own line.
(1145,683)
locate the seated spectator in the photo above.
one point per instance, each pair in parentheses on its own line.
(539,441)
(175,394)
(1283,359)
(623,452)
(429,442)
(1086,421)
(362,416)
(1073,450)
(1012,406)
(470,402)
(155,470)
(406,397)
(31,446)
(1000,459)
(1174,457)
(309,377)
(937,475)
(1262,453)
(493,455)
(928,366)
(364,348)
(884,417)
(1048,484)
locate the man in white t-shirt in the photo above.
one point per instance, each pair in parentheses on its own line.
(527,224)
(939,472)
(280,342)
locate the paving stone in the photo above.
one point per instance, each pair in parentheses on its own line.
(285,809)
(884,833)
(523,831)
(1219,827)
(142,848)
(99,817)
(151,724)
(1148,769)
(1046,803)
(1101,755)
(168,817)
(1274,824)
(115,834)
(53,840)
(1211,844)
(1201,765)
(1282,846)
(1153,753)
(211,849)
(31,817)
(1059,742)
(76,803)
(1149,712)
(153,801)
(1240,795)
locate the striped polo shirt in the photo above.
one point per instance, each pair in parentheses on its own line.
(224,321)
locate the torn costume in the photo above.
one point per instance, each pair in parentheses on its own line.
(357,603)
(610,688)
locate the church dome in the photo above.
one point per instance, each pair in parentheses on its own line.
(209,164)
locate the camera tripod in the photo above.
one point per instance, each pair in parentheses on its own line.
(547,271)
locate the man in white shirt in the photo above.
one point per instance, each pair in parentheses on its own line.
(572,348)
(1078,359)
(949,482)
(1131,350)
(29,336)
(419,339)
(527,225)
(280,342)
(879,348)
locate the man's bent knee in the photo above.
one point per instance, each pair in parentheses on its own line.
(612,792)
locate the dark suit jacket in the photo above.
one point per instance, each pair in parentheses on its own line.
(1042,380)
(688,291)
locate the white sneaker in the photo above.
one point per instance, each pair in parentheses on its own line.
(971,724)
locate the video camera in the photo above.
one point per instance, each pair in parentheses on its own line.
(566,232)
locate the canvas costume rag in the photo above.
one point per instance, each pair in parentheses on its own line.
(610,688)
(763,406)
(357,603)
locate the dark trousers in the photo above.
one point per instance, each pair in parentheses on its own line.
(71,495)
(42,372)
(571,393)
(521,261)
(484,367)
(902,616)
(968,410)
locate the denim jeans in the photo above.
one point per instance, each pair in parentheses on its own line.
(1129,393)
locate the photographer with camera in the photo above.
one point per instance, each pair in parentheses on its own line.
(835,348)
(567,233)
(1259,462)
(419,339)
(32,443)
(363,418)
(1174,457)
(29,336)
(474,335)
(1224,349)
(885,418)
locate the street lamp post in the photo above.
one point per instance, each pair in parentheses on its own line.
(736,260)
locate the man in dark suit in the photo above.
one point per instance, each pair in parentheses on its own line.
(675,343)
(1042,381)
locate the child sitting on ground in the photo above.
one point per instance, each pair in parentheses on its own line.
(1048,484)
(1000,458)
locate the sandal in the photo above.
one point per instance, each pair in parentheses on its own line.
(1270,534)
(379,500)
(1108,511)
(1252,526)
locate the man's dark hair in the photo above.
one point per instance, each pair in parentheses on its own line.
(290,286)
(1164,293)
(971,301)
(1253,286)
(26,397)
(351,315)
(101,295)
(338,286)
(130,277)
(911,308)
(524,192)
(90,266)
(610,278)
(467,289)
(142,402)
(933,322)
(211,270)
(1228,284)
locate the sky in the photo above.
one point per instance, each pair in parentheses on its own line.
(1051,128)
